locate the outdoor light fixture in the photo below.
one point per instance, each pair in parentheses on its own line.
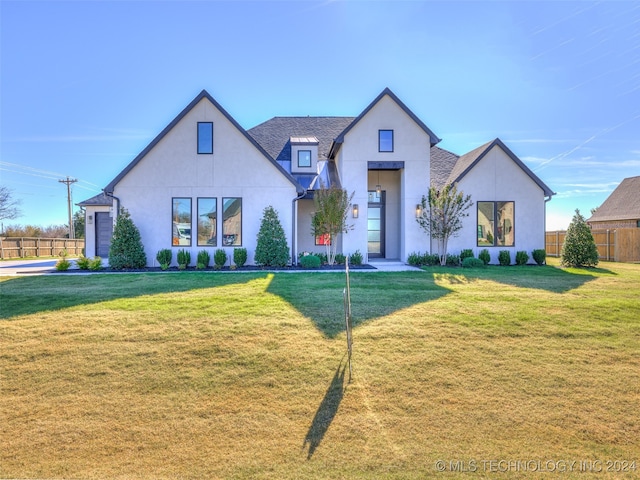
(354,210)
(418,210)
(90,219)
(378,186)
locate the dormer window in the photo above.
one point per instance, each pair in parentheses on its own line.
(304,158)
(385,140)
(304,154)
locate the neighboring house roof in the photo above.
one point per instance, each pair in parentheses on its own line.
(622,204)
(99,200)
(467,161)
(340,138)
(204,94)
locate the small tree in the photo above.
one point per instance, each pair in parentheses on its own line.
(126,250)
(330,218)
(442,214)
(272,249)
(579,248)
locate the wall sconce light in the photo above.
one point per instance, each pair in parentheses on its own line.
(354,210)
(418,210)
(90,219)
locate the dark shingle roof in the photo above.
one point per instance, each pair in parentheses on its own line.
(622,204)
(442,162)
(99,200)
(273,135)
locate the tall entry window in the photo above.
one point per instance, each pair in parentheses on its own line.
(181,221)
(207,222)
(496,224)
(375,224)
(231,221)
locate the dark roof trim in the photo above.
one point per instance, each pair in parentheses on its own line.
(340,139)
(497,142)
(203,94)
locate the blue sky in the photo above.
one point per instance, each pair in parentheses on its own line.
(85,86)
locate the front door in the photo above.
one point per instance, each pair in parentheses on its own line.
(104,231)
(375,224)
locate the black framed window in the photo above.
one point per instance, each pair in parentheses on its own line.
(231,221)
(385,140)
(181,221)
(304,158)
(496,224)
(207,222)
(205,137)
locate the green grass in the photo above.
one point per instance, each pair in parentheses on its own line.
(203,375)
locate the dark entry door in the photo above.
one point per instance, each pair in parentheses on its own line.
(375,224)
(104,231)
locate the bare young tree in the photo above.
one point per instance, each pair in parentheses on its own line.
(330,218)
(442,214)
(8,205)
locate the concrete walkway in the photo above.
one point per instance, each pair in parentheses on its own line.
(12,268)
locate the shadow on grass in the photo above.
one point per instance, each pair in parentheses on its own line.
(373,295)
(549,278)
(326,411)
(35,294)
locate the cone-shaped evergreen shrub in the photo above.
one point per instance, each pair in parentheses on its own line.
(272,249)
(126,250)
(579,249)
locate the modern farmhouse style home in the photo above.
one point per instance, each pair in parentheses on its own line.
(204,182)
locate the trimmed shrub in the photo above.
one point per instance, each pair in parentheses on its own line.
(485,256)
(356,258)
(504,258)
(184,258)
(126,250)
(219,258)
(240,256)
(95,264)
(522,257)
(310,261)
(579,248)
(453,260)
(471,262)
(164,258)
(83,262)
(414,259)
(63,264)
(539,255)
(203,260)
(466,253)
(431,259)
(340,258)
(272,249)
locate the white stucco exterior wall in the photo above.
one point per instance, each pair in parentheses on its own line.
(173,168)
(498,178)
(411,146)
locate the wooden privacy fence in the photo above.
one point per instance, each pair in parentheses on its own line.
(617,245)
(20,247)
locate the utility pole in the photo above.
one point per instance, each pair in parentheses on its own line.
(69,181)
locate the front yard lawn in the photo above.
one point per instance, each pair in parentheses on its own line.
(479,373)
